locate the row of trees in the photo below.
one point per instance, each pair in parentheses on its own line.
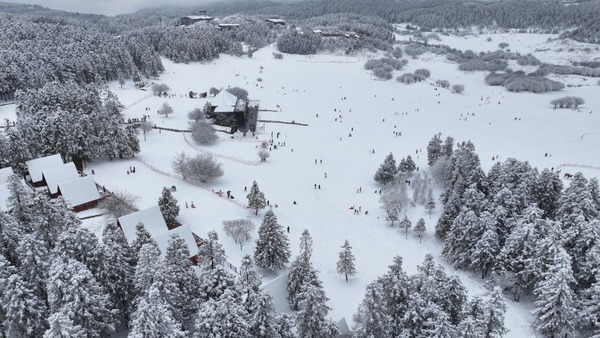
(519,226)
(426,304)
(79,123)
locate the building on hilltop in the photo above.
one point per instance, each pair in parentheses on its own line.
(275,21)
(192,19)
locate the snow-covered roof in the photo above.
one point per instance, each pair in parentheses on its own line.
(65,172)
(152,219)
(184,232)
(224,101)
(4,193)
(278,289)
(199,17)
(275,20)
(38,165)
(5,173)
(79,191)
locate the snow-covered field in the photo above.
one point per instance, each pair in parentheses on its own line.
(337,98)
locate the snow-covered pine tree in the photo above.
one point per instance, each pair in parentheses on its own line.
(396,288)
(345,265)
(434,149)
(518,250)
(73,289)
(485,250)
(181,285)
(256,199)
(301,272)
(263,323)
(409,166)
(555,307)
(372,318)
(152,318)
(272,247)
(61,325)
(285,325)
(214,283)
(117,272)
(448,146)
(387,171)
(168,206)
(145,271)
(420,228)
(248,282)
(33,264)
(82,245)
(453,299)
(441,327)
(405,224)
(311,319)
(493,319)
(547,193)
(23,311)
(142,236)
(211,253)
(222,318)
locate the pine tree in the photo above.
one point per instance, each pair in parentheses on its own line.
(484,252)
(263,323)
(25,313)
(272,247)
(33,267)
(441,327)
(434,149)
(555,307)
(211,253)
(405,224)
(256,199)
(547,193)
(168,206)
(222,318)
(285,324)
(61,325)
(152,318)
(493,319)
(146,269)
(180,286)
(142,236)
(311,321)
(453,299)
(387,171)
(345,265)
(118,269)
(73,289)
(590,308)
(214,283)
(395,286)
(372,318)
(420,228)
(82,245)
(301,272)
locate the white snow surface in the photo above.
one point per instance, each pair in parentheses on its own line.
(499,123)
(5,173)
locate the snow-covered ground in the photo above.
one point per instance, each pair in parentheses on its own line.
(348,100)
